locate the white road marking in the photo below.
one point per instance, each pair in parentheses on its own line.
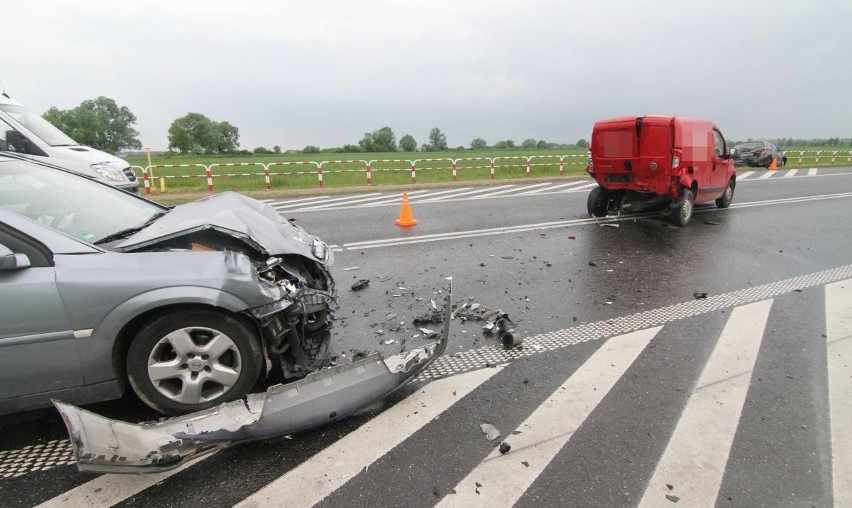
(812,172)
(109,489)
(430,199)
(519,190)
(745,175)
(767,174)
(790,173)
(325,472)
(838,319)
(558,188)
(695,459)
(500,480)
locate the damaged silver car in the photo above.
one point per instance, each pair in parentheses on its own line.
(189,306)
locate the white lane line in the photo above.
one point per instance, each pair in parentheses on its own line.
(468,193)
(745,175)
(558,188)
(767,174)
(838,320)
(695,459)
(415,198)
(790,173)
(812,172)
(291,202)
(328,470)
(518,190)
(109,489)
(500,480)
(586,186)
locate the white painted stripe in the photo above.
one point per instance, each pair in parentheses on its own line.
(838,320)
(584,187)
(745,175)
(812,172)
(290,202)
(697,453)
(468,193)
(769,173)
(518,190)
(504,478)
(325,472)
(790,173)
(558,188)
(109,489)
(428,194)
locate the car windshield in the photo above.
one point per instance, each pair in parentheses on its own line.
(73,204)
(45,130)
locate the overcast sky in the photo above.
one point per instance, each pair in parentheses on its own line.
(325,72)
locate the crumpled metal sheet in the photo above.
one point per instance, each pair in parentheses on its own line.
(103,445)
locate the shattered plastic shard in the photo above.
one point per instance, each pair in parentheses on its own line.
(490,431)
(102,445)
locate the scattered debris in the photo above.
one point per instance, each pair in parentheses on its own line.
(349,269)
(610,225)
(592,263)
(673,499)
(491,432)
(361,284)
(699,295)
(505,447)
(434,317)
(711,223)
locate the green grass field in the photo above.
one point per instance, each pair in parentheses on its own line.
(180,174)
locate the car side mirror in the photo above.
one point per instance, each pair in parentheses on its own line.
(12,261)
(732,152)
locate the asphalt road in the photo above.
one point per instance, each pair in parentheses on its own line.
(660,365)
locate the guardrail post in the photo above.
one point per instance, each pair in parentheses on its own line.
(370,172)
(833,157)
(528,166)
(147,181)
(801,157)
(492,168)
(209,177)
(266,177)
(319,172)
(413,171)
(455,174)
(817,157)
(561,165)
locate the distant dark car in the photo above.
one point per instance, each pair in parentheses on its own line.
(759,153)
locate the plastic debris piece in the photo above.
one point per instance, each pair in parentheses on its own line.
(505,447)
(491,432)
(699,295)
(391,316)
(349,269)
(389,341)
(592,263)
(361,284)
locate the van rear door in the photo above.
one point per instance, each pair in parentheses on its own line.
(633,153)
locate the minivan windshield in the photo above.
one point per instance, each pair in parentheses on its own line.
(45,130)
(73,204)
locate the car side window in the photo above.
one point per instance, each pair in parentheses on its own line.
(7,134)
(719,141)
(19,242)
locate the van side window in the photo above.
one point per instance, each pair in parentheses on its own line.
(719,141)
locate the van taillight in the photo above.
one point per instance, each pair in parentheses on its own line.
(676,154)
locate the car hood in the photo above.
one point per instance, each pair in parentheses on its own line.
(247,219)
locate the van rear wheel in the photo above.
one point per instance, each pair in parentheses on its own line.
(681,211)
(598,202)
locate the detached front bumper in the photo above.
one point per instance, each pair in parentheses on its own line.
(103,445)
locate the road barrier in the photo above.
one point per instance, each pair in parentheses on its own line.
(490,167)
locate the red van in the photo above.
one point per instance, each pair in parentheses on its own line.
(661,162)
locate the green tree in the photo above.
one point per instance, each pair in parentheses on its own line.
(382,140)
(195,133)
(542,144)
(99,123)
(478,144)
(506,144)
(407,143)
(261,150)
(437,139)
(311,149)
(276,149)
(529,144)
(582,143)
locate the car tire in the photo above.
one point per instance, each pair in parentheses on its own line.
(681,211)
(598,202)
(728,196)
(182,362)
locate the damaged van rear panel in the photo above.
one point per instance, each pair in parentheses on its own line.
(658,161)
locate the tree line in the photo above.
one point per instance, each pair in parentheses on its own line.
(103,124)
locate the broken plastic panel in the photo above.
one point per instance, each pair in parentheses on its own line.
(103,445)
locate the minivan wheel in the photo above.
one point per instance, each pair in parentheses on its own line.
(597,202)
(187,361)
(681,212)
(725,200)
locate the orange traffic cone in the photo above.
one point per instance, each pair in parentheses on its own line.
(773,164)
(405,218)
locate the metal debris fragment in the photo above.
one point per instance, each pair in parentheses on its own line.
(361,284)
